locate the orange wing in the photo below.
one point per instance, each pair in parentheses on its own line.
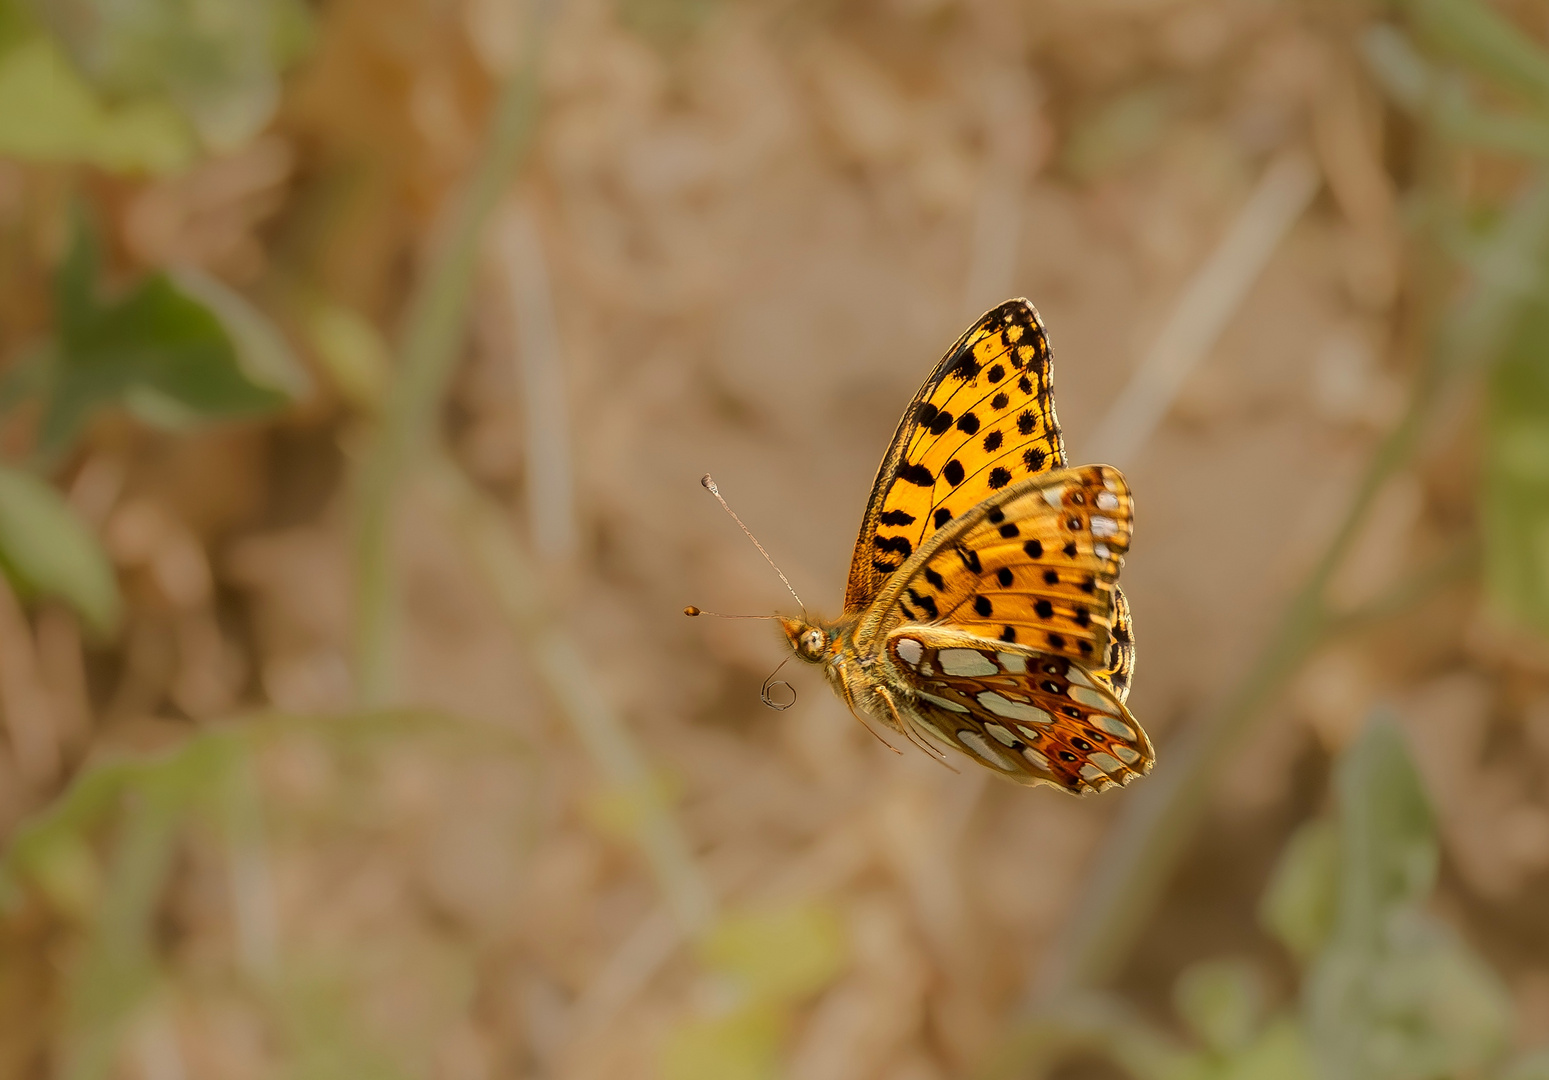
(983,420)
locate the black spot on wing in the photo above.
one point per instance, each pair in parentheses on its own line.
(917,475)
(1027,422)
(1034,549)
(943,515)
(896,517)
(968,423)
(953,473)
(983,607)
(999,477)
(992,442)
(926,604)
(898,544)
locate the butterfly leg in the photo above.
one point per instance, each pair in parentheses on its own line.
(902,722)
(859,714)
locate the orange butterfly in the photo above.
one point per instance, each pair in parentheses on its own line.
(983,613)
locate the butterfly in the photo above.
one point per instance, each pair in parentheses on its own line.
(983,614)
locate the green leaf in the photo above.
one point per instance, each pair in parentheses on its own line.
(219,63)
(1222,1001)
(1279,1053)
(1395,995)
(158,350)
(47,113)
(1387,836)
(1480,37)
(352,353)
(1516,481)
(262,351)
(744,1045)
(781,955)
(1298,906)
(47,551)
(1444,100)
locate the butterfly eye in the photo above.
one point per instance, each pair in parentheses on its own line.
(812,641)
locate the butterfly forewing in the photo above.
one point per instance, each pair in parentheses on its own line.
(1032,717)
(983,420)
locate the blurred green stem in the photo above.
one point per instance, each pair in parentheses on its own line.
(119,964)
(571,681)
(433,332)
(1160,822)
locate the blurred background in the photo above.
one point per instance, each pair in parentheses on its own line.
(359,360)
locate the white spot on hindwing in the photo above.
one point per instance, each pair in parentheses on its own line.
(968,662)
(1092,772)
(1107,500)
(1076,675)
(1034,758)
(1104,526)
(1090,697)
(1012,710)
(1126,754)
(910,651)
(975,742)
(945,703)
(1001,734)
(1055,495)
(1012,662)
(1101,551)
(1106,762)
(1114,726)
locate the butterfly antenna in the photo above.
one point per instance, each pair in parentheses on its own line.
(692,612)
(709,485)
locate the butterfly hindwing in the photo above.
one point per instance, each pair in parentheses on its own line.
(1034,566)
(1120,669)
(1030,716)
(983,420)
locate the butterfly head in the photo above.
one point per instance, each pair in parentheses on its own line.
(811,643)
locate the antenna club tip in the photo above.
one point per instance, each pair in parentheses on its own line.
(691,611)
(707,483)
